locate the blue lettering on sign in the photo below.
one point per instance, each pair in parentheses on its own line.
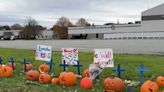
(49,55)
(44,49)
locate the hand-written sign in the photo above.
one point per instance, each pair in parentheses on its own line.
(103,57)
(70,55)
(43,52)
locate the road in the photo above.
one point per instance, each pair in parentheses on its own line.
(119,46)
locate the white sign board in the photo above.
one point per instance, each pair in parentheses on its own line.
(103,57)
(43,52)
(70,56)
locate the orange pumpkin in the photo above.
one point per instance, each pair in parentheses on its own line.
(44,68)
(86,83)
(44,78)
(55,81)
(149,86)
(113,84)
(10,64)
(86,73)
(32,75)
(28,67)
(67,79)
(6,71)
(161,91)
(160,81)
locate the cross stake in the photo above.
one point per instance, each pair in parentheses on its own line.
(24,62)
(11,60)
(50,64)
(141,70)
(1,60)
(118,70)
(78,67)
(64,65)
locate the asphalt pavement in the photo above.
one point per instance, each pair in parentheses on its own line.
(147,46)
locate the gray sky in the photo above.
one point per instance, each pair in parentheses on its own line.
(47,12)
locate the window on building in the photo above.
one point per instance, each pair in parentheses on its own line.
(97,35)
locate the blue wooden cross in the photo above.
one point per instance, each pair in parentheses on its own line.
(24,62)
(50,64)
(64,65)
(78,67)
(130,88)
(119,70)
(1,60)
(141,70)
(11,60)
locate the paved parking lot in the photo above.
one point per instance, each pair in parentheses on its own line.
(119,46)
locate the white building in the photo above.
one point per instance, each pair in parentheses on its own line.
(45,34)
(151,27)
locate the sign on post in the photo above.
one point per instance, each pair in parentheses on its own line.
(43,52)
(70,56)
(103,57)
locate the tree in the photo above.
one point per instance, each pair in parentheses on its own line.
(5,27)
(31,29)
(62,32)
(16,27)
(82,22)
(61,27)
(64,22)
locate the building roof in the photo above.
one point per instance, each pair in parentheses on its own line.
(158,10)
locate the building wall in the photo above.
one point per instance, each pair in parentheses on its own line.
(153,25)
(106,29)
(135,35)
(45,35)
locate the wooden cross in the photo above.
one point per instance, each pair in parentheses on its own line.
(119,70)
(24,62)
(141,70)
(1,60)
(130,88)
(11,60)
(50,64)
(78,67)
(64,65)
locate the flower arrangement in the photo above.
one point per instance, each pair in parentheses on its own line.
(131,83)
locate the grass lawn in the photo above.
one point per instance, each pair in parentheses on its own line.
(17,83)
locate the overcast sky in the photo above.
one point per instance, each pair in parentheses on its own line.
(47,12)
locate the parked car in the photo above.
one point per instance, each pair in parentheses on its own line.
(8,36)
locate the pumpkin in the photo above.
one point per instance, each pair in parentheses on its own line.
(5,71)
(113,84)
(55,81)
(160,81)
(67,79)
(86,73)
(28,67)
(44,68)
(32,75)
(86,83)
(44,78)
(10,64)
(149,86)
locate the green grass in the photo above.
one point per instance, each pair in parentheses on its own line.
(17,82)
